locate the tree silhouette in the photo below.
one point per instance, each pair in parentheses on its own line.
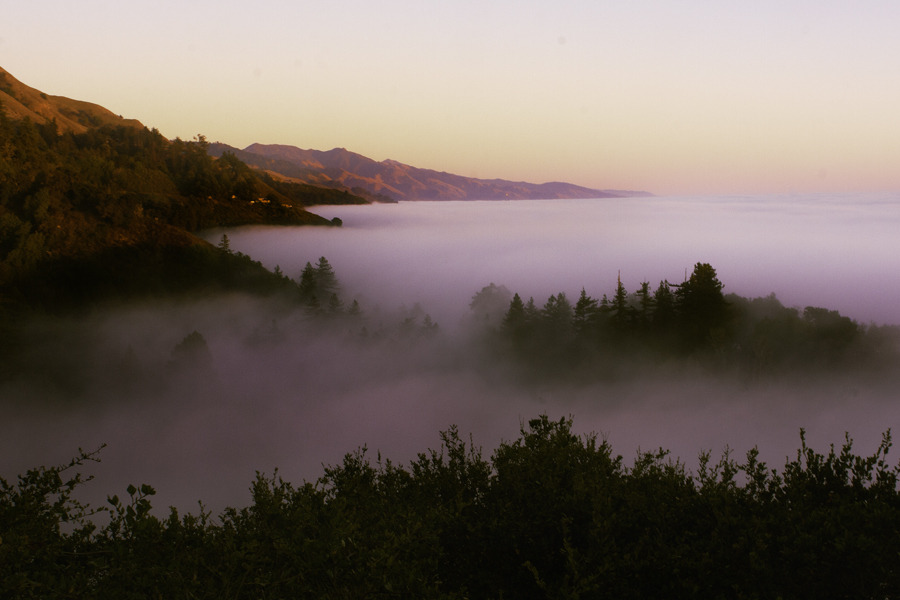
(585,313)
(307,284)
(700,305)
(326,281)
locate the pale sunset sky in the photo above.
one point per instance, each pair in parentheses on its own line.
(673,97)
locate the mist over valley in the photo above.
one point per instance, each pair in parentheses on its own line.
(273,387)
(835,251)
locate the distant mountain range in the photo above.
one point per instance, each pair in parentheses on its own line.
(20,101)
(391,180)
(339,168)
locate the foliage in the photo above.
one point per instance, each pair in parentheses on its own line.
(75,201)
(46,539)
(692,320)
(551,514)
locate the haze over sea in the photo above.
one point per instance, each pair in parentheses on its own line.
(837,251)
(274,394)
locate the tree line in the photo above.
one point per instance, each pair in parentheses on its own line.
(550,514)
(693,319)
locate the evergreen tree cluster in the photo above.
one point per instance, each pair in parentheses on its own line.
(550,514)
(693,319)
(319,292)
(318,285)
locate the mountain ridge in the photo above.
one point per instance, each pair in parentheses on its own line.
(340,167)
(20,101)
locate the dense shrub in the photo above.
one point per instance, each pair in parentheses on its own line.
(550,514)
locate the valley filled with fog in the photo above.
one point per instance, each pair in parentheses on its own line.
(274,389)
(834,251)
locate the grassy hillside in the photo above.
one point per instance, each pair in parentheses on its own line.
(20,101)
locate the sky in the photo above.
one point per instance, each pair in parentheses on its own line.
(677,98)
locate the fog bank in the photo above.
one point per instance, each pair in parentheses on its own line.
(272,389)
(274,392)
(833,251)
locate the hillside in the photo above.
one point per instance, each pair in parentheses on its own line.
(94,207)
(20,101)
(348,170)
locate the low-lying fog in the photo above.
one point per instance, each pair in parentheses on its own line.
(273,393)
(840,252)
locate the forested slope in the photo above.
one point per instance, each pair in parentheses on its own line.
(113,210)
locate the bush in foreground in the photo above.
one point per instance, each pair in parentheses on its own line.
(548,515)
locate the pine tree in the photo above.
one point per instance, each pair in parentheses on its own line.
(700,305)
(307,284)
(646,303)
(557,313)
(621,311)
(664,312)
(519,322)
(335,305)
(585,313)
(515,318)
(318,285)
(326,281)
(531,311)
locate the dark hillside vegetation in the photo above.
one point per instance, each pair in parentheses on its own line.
(549,514)
(97,355)
(112,210)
